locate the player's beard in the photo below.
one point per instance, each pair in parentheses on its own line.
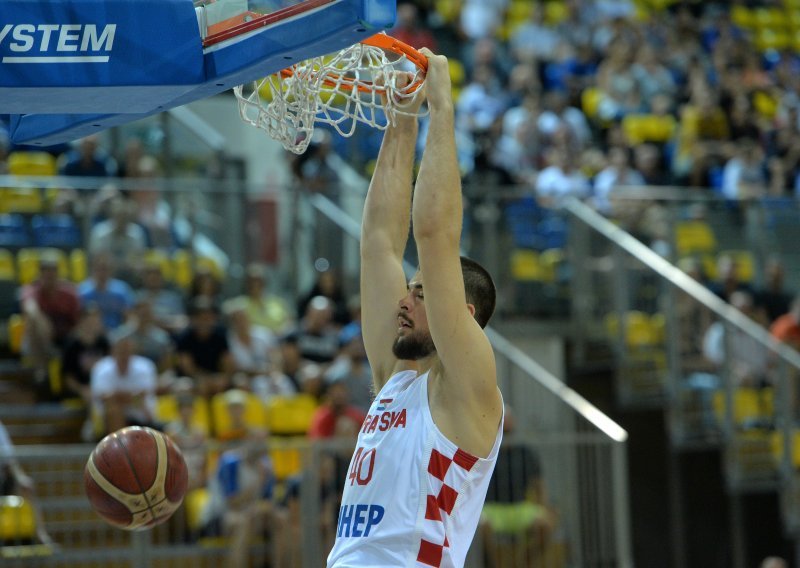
(413,346)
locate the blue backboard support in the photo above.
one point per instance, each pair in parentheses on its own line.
(54,101)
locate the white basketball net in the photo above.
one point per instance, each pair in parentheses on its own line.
(288,107)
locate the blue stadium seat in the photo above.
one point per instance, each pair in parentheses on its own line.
(59,231)
(522,217)
(553,232)
(13,231)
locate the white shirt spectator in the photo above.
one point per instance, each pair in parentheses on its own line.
(253,357)
(607,180)
(140,377)
(556,185)
(742,179)
(480,104)
(549,123)
(750,362)
(481,18)
(6,447)
(533,40)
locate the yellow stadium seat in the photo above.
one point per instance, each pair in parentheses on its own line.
(640,128)
(590,101)
(286,462)
(555,12)
(772,38)
(550,260)
(291,415)
(255,414)
(28,264)
(16,330)
(182,272)
(22,200)
(31,164)
(776,443)
(743,17)
(7,269)
(448,10)
(765,104)
(641,329)
(694,237)
(748,404)
(195,502)
(156,257)
(769,18)
(17,522)
(54,375)
(526,266)
(78,265)
(457,73)
(167,411)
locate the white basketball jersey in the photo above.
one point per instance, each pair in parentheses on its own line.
(411,497)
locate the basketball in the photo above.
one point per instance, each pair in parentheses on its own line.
(136,478)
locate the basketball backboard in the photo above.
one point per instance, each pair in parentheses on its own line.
(74,67)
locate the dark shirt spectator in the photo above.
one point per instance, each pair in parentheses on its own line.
(773,297)
(89,161)
(317,337)
(202,348)
(85,347)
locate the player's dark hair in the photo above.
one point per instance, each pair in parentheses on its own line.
(479,289)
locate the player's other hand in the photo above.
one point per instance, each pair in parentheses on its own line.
(437,81)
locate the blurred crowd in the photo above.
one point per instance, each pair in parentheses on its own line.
(578,98)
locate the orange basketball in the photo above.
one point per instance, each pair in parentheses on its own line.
(136,478)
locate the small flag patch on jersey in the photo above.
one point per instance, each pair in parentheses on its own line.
(383,404)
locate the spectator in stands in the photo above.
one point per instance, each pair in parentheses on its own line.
(238,429)
(482,102)
(264,308)
(559,118)
(409,29)
(748,361)
(534,41)
(619,173)
(315,170)
(652,75)
(352,368)
(482,18)
(113,297)
(560,180)
(291,360)
(131,158)
(745,174)
(151,341)
(123,386)
(516,505)
(190,438)
(153,213)
(86,345)
(648,161)
(88,160)
(328,285)
(14,481)
(773,296)
(703,130)
(119,236)
(205,284)
(336,416)
(51,309)
(240,504)
(728,280)
(167,304)
(317,337)
(787,327)
(202,349)
(252,348)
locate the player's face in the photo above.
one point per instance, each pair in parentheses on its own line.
(413,341)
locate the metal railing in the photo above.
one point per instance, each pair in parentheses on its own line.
(665,328)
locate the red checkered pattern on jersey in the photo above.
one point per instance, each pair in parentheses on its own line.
(445,474)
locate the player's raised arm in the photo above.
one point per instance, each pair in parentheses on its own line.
(463,348)
(384,232)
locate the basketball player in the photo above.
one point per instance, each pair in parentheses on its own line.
(425,453)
